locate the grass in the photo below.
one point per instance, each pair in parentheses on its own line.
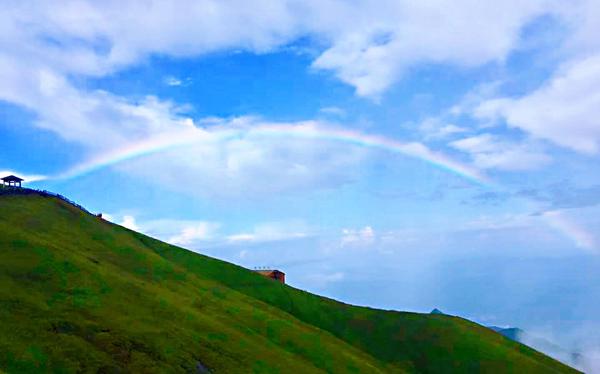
(79,294)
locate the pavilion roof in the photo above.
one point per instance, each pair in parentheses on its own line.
(12,178)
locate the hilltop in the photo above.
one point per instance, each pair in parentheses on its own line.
(78,293)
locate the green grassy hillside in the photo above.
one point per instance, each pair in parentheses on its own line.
(81,294)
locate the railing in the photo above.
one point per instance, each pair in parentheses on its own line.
(29,191)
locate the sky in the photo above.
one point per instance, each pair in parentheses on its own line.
(397,154)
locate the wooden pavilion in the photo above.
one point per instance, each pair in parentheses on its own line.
(12,181)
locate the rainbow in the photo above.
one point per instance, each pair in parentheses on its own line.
(306,130)
(581,238)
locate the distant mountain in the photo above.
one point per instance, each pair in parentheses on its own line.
(437,311)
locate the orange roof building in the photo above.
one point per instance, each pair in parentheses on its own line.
(273,274)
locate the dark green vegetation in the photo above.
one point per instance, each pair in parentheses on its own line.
(81,294)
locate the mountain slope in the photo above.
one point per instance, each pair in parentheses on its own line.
(81,294)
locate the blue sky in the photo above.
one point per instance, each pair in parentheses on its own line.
(391,154)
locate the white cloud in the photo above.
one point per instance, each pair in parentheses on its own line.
(200,231)
(449,129)
(129,222)
(176,82)
(373,46)
(26,177)
(98,37)
(489,152)
(191,233)
(172,81)
(177,232)
(333,111)
(247,164)
(96,119)
(591,360)
(240,161)
(475,97)
(434,128)
(565,111)
(558,221)
(272,231)
(582,19)
(357,237)
(244,237)
(108,217)
(366,46)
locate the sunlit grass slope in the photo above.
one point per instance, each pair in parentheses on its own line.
(81,294)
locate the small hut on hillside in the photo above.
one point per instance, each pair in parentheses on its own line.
(12,181)
(273,274)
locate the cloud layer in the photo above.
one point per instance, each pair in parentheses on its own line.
(368,47)
(564,111)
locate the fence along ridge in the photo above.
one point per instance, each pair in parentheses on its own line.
(44,193)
